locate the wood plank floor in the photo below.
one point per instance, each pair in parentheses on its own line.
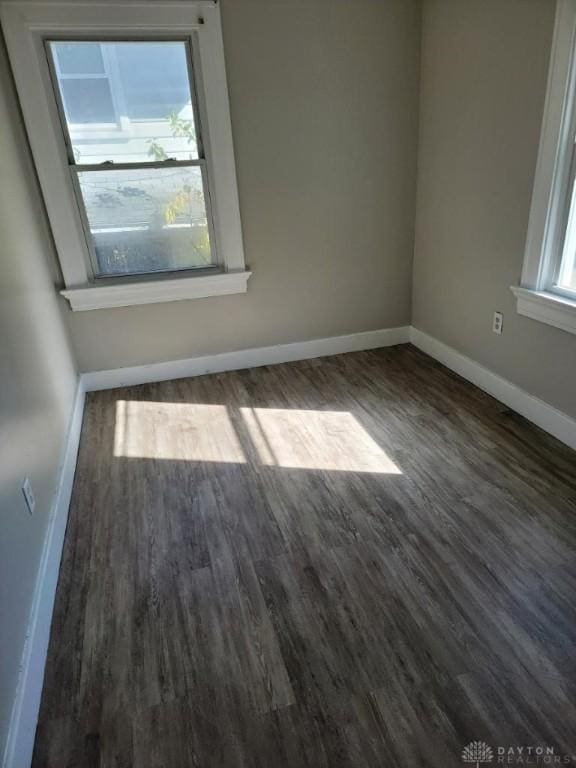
(355,561)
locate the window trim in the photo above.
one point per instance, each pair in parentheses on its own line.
(27,25)
(153,291)
(537,296)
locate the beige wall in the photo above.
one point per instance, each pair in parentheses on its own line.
(37,386)
(484,68)
(324,99)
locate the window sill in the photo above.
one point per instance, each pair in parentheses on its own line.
(90,297)
(547,308)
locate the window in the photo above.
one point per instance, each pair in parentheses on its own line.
(151,212)
(548,287)
(130,130)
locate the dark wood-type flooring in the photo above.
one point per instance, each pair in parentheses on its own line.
(355,561)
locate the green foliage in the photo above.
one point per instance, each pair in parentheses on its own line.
(156,151)
(179,204)
(202,247)
(182,128)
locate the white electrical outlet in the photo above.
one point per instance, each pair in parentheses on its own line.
(29,496)
(498,323)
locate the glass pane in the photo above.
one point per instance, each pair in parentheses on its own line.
(88,101)
(79,59)
(147,219)
(150,103)
(568,273)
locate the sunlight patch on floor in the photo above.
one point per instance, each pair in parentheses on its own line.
(177,431)
(327,440)
(293,439)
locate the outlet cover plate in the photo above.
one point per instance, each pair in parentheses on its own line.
(498,323)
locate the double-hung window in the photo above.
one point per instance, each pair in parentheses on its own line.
(127,113)
(548,285)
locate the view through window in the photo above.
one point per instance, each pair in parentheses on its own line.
(566,279)
(135,154)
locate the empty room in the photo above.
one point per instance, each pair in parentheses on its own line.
(287,383)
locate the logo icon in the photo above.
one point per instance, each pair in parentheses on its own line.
(477,752)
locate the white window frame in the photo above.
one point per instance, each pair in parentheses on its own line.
(539,297)
(27,25)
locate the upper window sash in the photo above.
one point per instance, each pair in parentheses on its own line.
(113,77)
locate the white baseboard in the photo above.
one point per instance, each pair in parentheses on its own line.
(551,420)
(22,730)
(246,358)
